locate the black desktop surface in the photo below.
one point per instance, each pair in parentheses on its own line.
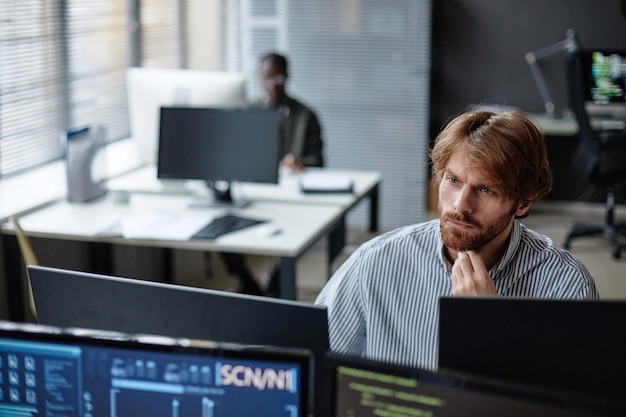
(367,388)
(50,371)
(574,345)
(78,299)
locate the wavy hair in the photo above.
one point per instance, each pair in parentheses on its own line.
(507,147)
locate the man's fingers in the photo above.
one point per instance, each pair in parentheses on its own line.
(465,263)
(478,265)
(470,276)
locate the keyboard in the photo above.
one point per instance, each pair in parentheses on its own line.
(224,224)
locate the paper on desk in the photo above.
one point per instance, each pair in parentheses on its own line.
(325,182)
(163,225)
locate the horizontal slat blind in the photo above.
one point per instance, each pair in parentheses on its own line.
(159,30)
(31,91)
(364,66)
(97,61)
(63,64)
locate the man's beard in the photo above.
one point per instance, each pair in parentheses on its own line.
(475,238)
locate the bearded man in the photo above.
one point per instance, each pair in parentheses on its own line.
(490,168)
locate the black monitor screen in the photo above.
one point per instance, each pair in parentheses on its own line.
(62,375)
(219,144)
(562,344)
(367,388)
(605,81)
(67,298)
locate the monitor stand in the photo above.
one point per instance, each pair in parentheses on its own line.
(221,197)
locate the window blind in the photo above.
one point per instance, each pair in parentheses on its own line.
(31,88)
(97,60)
(161,34)
(364,67)
(63,66)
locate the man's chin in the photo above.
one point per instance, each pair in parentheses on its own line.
(458,246)
(460,242)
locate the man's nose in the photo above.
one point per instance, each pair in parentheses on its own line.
(464,201)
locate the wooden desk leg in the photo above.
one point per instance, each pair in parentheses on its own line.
(14,270)
(287,279)
(374,209)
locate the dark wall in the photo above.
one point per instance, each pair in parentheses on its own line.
(479,48)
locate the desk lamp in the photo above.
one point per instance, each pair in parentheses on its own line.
(532,58)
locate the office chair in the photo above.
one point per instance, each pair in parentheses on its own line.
(600,156)
(28,255)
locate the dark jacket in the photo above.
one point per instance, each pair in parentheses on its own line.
(303,134)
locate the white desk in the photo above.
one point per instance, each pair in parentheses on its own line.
(558,126)
(38,198)
(96,222)
(39,187)
(42,186)
(32,190)
(287,190)
(365,186)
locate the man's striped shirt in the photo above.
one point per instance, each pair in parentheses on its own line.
(383,301)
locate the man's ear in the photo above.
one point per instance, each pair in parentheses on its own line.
(523,207)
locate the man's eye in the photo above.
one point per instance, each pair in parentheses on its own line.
(486,190)
(452,180)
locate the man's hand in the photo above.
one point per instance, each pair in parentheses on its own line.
(289,161)
(470,276)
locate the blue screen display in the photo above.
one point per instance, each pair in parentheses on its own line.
(57,379)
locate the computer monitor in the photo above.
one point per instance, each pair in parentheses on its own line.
(367,388)
(605,82)
(49,371)
(67,298)
(220,146)
(574,345)
(148,89)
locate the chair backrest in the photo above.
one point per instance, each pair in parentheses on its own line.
(600,154)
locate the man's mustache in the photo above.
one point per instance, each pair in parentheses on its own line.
(463,218)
